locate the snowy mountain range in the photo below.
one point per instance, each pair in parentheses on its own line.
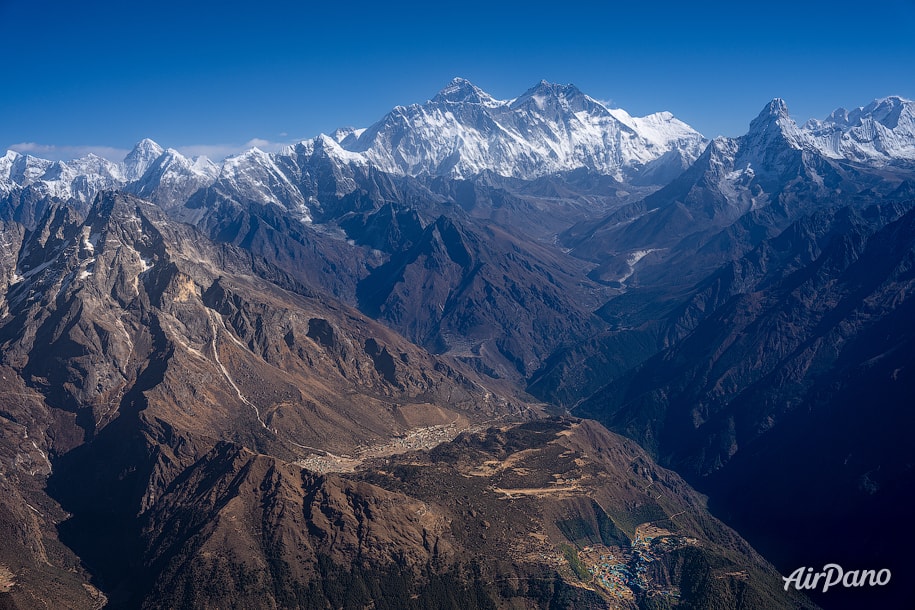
(776,155)
(464,131)
(884,130)
(550,128)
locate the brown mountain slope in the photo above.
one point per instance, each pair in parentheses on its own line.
(218,342)
(125,312)
(553,513)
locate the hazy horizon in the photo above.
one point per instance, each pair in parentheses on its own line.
(213,78)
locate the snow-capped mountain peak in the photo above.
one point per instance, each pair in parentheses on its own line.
(78,179)
(333,148)
(546,96)
(660,127)
(171,178)
(550,128)
(777,107)
(887,111)
(460,132)
(461,90)
(463,131)
(255,176)
(138,160)
(7,164)
(342,134)
(881,132)
(7,161)
(774,123)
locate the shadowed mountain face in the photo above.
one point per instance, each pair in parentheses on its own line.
(480,295)
(738,192)
(786,396)
(796,307)
(760,351)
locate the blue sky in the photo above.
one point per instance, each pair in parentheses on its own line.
(214,77)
